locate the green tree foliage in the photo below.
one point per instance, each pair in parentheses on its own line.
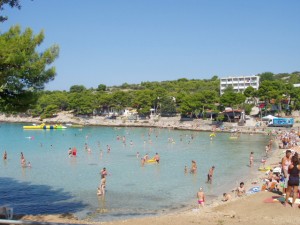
(192,96)
(23,71)
(77,88)
(82,103)
(11,3)
(101,87)
(143,101)
(266,76)
(231,98)
(167,106)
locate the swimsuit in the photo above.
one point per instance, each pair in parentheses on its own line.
(294,177)
(200,201)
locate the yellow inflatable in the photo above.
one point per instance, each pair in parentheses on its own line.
(264,169)
(212,135)
(151,161)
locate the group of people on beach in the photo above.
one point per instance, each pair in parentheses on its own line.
(286,172)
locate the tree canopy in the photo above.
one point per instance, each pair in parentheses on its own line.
(23,70)
(11,3)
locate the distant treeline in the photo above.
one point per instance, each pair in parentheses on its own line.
(168,98)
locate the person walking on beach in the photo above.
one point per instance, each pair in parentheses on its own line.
(201,197)
(293,182)
(251,159)
(210,175)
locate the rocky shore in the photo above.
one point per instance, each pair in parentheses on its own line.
(161,122)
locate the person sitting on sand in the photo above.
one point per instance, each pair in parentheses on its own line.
(201,197)
(240,191)
(226,197)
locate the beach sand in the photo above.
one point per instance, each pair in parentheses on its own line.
(246,210)
(250,209)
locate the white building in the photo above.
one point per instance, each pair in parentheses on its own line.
(239,84)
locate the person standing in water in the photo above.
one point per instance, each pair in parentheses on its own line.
(251,159)
(201,197)
(194,167)
(157,158)
(5,155)
(210,175)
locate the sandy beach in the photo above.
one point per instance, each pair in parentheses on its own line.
(249,209)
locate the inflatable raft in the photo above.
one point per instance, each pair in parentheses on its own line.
(151,161)
(44,127)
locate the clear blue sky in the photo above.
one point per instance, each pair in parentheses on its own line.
(116,41)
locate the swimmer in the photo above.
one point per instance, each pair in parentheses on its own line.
(101,188)
(201,197)
(5,155)
(193,167)
(251,159)
(185,169)
(142,161)
(157,158)
(137,155)
(103,173)
(146,157)
(210,174)
(29,165)
(108,149)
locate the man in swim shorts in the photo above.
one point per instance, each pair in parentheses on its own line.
(201,197)
(157,157)
(210,175)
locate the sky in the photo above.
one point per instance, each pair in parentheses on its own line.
(113,42)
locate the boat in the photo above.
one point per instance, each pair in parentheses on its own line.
(44,127)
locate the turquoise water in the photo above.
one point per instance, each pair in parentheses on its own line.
(57,183)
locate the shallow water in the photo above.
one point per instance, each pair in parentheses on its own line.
(57,183)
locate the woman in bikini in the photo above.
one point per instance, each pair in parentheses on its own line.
(201,197)
(293,182)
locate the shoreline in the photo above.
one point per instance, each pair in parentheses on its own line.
(174,123)
(181,213)
(216,212)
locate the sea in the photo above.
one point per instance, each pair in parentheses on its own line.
(57,183)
